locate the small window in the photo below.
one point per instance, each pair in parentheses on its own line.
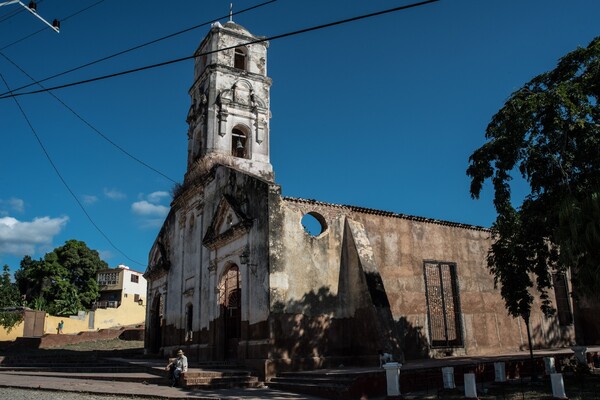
(239,59)
(135,278)
(563,305)
(238,143)
(313,223)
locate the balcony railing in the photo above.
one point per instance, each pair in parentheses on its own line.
(108,304)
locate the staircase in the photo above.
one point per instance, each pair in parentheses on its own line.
(219,379)
(117,366)
(336,385)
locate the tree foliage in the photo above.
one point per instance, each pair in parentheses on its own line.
(548,132)
(64,281)
(9,298)
(9,294)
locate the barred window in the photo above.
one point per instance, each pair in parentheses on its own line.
(563,305)
(135,278)
(443,305)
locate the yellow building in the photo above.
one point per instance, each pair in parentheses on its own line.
(120,285)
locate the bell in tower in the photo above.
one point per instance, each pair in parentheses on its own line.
(229,116)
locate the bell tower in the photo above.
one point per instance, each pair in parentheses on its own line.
(229,116)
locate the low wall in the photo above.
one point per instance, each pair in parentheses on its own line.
(129,313)
(15,332)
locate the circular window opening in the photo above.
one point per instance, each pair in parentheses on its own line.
(313,223)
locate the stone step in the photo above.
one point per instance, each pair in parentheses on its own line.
(71,368)
(321,380)
(219,379)
(99,376)
(221,383)
(313,389)
(193,373)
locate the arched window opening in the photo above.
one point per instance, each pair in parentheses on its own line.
(230,301)
(230,285)
(239,59)
(238,143)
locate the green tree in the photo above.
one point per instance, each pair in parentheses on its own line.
(64,281)
(548,132)
(9,297)
(9,293)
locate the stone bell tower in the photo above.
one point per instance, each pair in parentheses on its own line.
(229,116)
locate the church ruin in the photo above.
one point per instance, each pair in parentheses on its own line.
(233,274)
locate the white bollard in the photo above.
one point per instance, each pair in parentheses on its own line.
(499,371)
(558,386)
(470,386)
(549,365)
(448,377)
(392,376)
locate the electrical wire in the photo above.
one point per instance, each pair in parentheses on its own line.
(133,48)
(62,179)
(89,124)
(62,20)
(11,14)
(177,60)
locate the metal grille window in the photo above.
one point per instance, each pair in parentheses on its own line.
(443,305)
(563,305)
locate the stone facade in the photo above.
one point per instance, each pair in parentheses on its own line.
(234,275)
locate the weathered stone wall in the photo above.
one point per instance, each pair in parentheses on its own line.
(315,277)
(326,299)
(211,225)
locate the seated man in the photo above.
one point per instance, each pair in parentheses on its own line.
(176,367)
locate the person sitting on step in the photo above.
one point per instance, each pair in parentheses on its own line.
(176,367)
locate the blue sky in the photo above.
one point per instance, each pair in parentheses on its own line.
(380,113)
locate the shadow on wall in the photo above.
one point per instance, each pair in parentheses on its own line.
(549,335)
(307,335)
(302,328)
(414,344)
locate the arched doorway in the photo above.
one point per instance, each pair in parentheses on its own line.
(156,316)
(230,306)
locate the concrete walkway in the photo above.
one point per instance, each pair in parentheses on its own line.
(61,382)
(141,384)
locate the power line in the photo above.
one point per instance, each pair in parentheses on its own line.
(177,60)
(11,14)
(43,29)
(63,179)
(89,124)
(132,48)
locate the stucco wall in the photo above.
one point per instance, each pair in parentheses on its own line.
(15,332)
(400,244)
(196,267)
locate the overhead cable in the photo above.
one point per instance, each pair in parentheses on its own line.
(43,29)
(62,179)
(17,11)
(89,124)
(178,60)
(134,47)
